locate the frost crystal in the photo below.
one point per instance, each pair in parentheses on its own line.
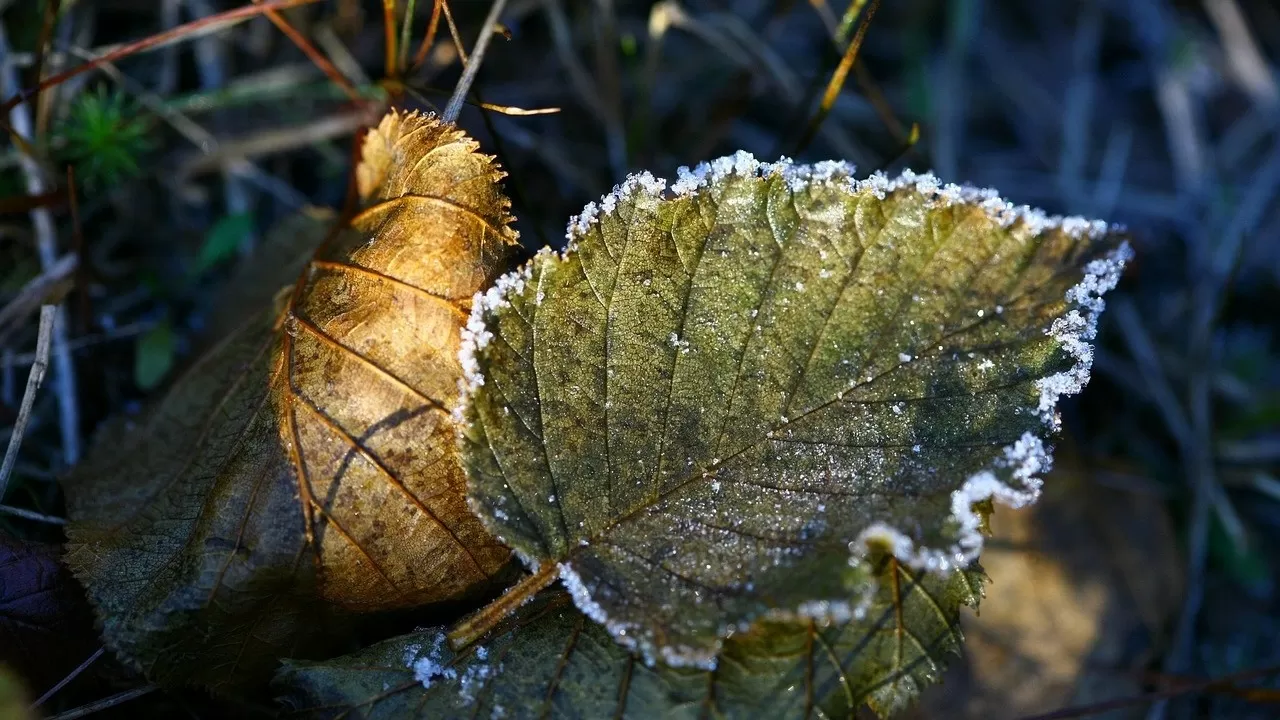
(1079,326)
(625,634)
(426,668)
(476,335)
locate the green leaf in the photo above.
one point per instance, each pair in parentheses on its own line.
(550,660)
(223,240)
(153,355)
(720,395)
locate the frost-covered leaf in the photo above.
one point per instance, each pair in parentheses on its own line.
(552,661)
(722,393)
(308,461)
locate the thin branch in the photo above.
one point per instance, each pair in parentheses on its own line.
(477,57)
(429,38)
(70,676)
(48,315)
(838,78)
(312,53)
(1216,685)
(32,515)
(105,703)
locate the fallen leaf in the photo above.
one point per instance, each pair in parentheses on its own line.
(550,660)
(46,627)
(309,456)
(1084,588)
(722,393)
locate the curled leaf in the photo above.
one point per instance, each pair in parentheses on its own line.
(310,454)
(708,407)
(552,661)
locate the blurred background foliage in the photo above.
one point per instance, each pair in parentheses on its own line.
(1151,567)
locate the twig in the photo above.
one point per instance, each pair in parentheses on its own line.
(70,676)
(47,247)
(47,24)
(1244,59)
(32,515)
(80,343)
(312,53)
(40,290)
(104,703)
(276,140)
(1222,684)
(48,316)
(477,56)
(838,78)
(392,70)
(406,31)
(429,38)
(197,28)
(453,32)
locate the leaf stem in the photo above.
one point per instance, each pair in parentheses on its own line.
(488,617)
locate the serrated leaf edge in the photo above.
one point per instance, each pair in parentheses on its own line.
(1025,461)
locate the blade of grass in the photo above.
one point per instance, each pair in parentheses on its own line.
(32,515)
(406,29)
(389,37)
(477,56)
(453,32)
(51,9)
(837,79)
(44,339)
(429,38)
(312,53)
(70,676)
(105,703)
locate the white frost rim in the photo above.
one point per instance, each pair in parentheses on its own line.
(1024,462)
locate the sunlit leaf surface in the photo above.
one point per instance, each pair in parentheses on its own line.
(725,390)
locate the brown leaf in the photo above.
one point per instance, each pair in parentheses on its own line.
(311,452)
(1083,586)
(46,629)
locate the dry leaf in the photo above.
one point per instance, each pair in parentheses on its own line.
(311,452)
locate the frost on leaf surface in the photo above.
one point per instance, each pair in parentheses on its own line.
(308,461)
(550,660)
(721,393)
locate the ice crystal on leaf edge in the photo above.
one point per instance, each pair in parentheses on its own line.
(1025,461)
